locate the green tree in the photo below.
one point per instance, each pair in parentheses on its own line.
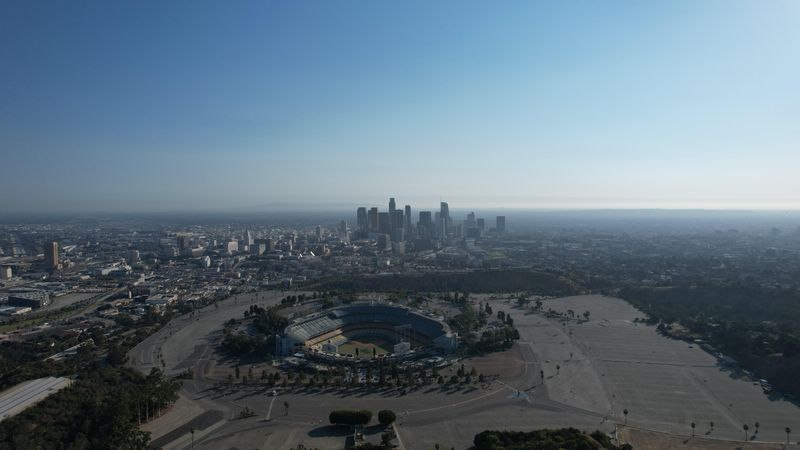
(386,417)
(117,356)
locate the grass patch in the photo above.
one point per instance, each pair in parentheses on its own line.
(365,348)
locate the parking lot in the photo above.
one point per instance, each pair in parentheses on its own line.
(582,374)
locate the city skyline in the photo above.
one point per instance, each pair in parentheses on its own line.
(203,107)
(399,225)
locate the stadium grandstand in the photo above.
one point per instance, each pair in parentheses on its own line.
(374,329)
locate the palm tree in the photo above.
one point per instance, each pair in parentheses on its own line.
(625,413)
(788,432)
(693,425)
(745,427)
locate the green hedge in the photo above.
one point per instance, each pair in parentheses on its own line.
(350,417)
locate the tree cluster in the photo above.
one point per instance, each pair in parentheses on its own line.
(266,321)
(350,417)
(496,340)
(476,281)
(101,410)
(758,326)
(469,320)
(564,438)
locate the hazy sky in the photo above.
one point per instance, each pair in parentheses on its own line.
(222,105)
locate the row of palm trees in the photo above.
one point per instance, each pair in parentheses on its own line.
(745,427)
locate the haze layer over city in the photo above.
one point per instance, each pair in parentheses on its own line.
(411,225)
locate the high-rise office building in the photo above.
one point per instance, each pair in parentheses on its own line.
(361,220)
(384,241)
(373,220)
(408,219)
(384,223)
(269,244)
(51,255)
(183,243)
(481,223)
(258,248)
(444,210)
(398,226)
(501,224)
(133,257)
(444,219)
(392,217)
(248,237)
(425,225)
(232,246)
(470,229)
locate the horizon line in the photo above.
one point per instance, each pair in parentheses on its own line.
(312,208)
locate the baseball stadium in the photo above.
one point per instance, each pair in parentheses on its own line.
(364,331)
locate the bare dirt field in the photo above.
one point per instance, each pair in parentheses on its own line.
(652,440)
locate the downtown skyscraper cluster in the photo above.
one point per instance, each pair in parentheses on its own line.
(396,226)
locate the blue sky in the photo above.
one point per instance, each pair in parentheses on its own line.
(140,106)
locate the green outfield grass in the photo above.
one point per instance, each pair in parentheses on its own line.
(365,348)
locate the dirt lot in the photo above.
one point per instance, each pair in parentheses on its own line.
(652,440)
